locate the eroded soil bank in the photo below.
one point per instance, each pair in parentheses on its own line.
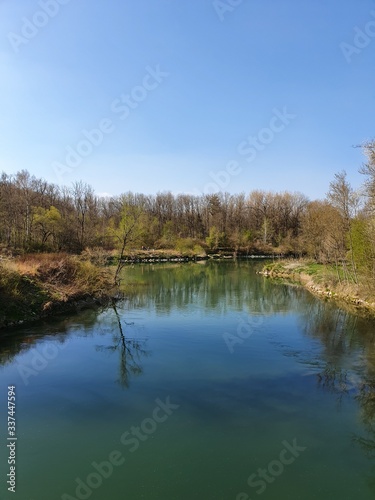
(321,281)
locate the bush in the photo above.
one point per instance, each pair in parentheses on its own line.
(60,270)
(97,256)
(92,279)
(189,246)
(63,273)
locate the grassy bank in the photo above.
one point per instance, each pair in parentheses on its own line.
(325,281)
(37,286)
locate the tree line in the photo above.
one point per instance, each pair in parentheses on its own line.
(39,216)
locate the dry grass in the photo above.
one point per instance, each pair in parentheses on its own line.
(33,284)
(60,274)
(323,280)
(29,265)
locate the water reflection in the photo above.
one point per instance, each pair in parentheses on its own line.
(18,342)
(211,285)
(105,321)
(130,349)
(345,364)
(342,364)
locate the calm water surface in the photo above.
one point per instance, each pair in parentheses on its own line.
(198,386)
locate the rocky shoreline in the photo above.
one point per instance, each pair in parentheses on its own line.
(156,258)
(326,292)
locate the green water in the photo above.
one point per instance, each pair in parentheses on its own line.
(204,377)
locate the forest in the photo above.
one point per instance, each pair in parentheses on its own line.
(37,216)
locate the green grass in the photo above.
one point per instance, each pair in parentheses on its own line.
(325,277)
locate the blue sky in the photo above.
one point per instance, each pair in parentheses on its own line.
(218,74)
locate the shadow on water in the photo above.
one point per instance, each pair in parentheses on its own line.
(107,321)
(344,364)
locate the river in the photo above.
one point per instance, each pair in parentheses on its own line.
(209,382)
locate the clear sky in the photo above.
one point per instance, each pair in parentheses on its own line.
(183,90)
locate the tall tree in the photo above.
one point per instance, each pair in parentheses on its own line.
(342,196)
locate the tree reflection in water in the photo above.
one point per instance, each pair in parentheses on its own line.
(89,321)
(346,366)
(130,350)
(343,361)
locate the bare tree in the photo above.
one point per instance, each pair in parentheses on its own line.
(342,196)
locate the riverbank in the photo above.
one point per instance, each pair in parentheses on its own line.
(155,256)
(34,287)
(323,281)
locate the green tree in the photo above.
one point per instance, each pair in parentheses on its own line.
(128,232)
(47,223)
(364,249)
(215,239)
